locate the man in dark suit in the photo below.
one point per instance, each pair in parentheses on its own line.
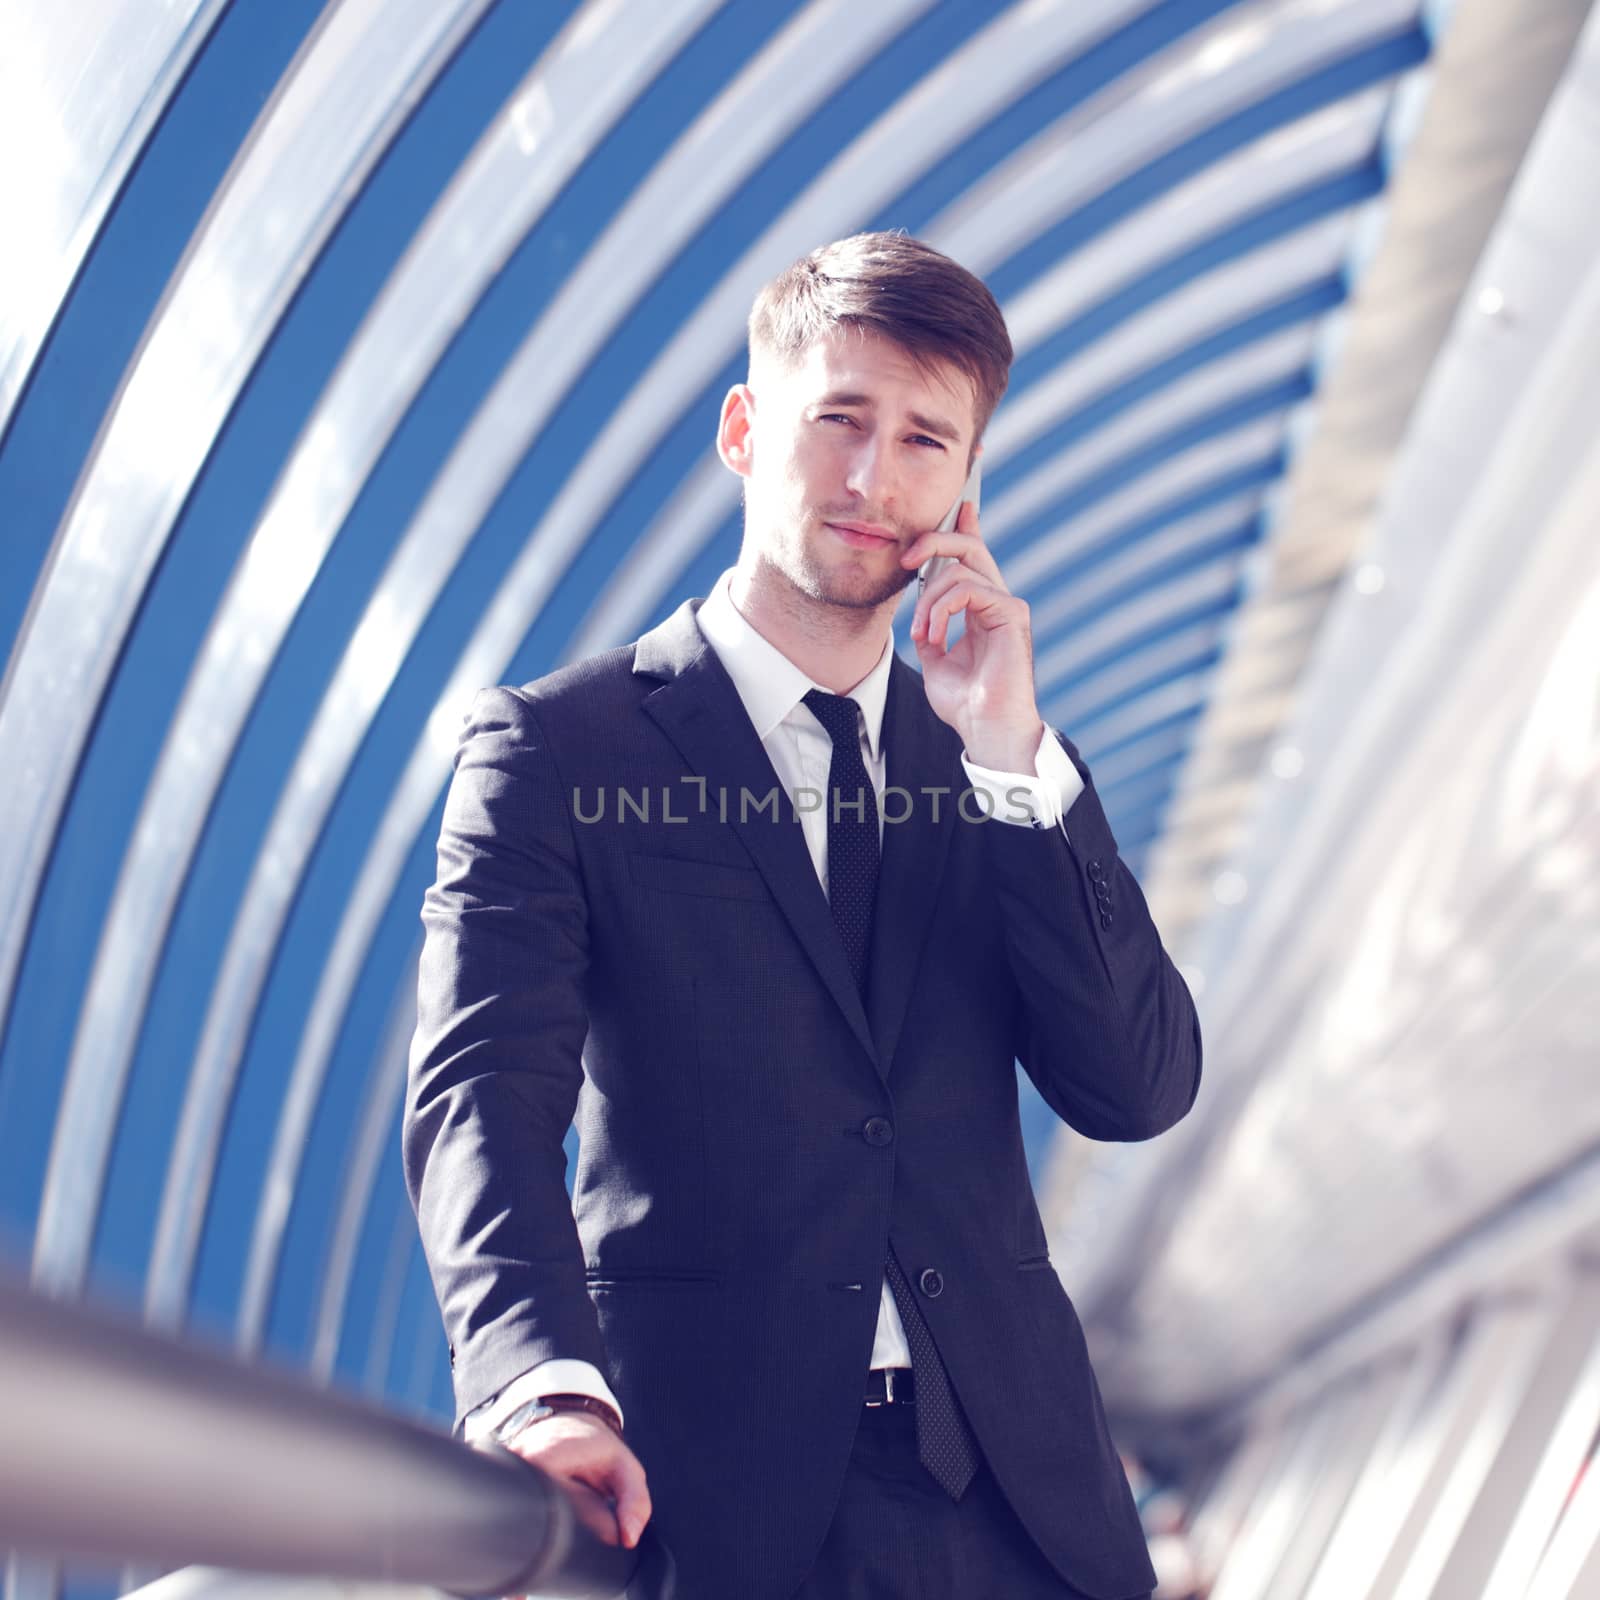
(775,915)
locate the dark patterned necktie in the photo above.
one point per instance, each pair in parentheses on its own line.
(944,1440)
(852,812)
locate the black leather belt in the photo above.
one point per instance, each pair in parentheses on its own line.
(890,1386)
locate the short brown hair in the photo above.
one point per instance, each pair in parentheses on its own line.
(897,286)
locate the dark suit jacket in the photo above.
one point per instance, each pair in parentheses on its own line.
(732,1215)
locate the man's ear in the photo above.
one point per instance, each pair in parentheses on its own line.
(736,429)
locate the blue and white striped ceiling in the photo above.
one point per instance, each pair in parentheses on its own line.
(355,355)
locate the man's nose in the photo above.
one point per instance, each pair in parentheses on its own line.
(871,473)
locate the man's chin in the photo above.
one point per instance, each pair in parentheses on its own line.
(854,589)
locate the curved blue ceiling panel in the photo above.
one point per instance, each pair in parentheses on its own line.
(273,214)
(371,354)
(90,93)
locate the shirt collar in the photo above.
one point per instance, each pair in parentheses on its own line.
(769,683)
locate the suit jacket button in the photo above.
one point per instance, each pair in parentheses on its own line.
(1105,919)
(878,1130)
(932,1284)
(1096,871)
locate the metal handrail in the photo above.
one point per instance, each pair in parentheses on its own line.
(119,1443)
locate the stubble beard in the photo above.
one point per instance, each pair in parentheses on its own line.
(849,585)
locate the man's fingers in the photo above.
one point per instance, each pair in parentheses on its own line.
(633,1498)
(936,624)
(622,1477)
(600,1474)
(939,585)
(966,548)
(981,602)
(964,543)
(593,1510)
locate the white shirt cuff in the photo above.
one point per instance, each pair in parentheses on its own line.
(560,1376)
(1037,799)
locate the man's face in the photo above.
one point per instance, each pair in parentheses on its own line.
(847,456)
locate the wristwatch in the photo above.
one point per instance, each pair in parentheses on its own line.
(549,1405)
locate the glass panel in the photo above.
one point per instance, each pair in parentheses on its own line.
(587,78)
(1170,700)
(1569,1447)
(1288,160)
(1173,650)
(325,128)
(1478,1411)
(81,87)
(1361,1440)
(1250,52)
(1511,1517)
(1086,648)
(1202,307)
(1182,475)
(1570,1567)
(1391,1478)
(1214,1528)
(1259,1544)
(1142,560)
(368,1159)
(1213,387)
(1161,745)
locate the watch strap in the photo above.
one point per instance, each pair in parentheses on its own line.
(550,1405)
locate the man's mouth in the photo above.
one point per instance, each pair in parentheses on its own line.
(864,535)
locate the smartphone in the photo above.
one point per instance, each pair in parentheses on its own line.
(932,566)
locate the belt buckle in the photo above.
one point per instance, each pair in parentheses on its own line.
(888,1389)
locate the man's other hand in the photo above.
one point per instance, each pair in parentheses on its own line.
(602,1477)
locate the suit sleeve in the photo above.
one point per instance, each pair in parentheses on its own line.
(1107,1031)
(496,1061)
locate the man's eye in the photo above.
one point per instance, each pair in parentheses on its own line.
(922,438)
(836,416)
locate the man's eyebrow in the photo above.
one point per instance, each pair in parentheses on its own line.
(838,397)
(937,426)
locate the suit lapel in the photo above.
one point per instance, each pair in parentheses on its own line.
(918,752)
(699,710)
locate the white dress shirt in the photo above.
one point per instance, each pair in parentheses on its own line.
(773,690)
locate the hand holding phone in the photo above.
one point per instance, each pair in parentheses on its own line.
(935,564)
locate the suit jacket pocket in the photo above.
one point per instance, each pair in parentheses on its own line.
(680,875)
(646,1277)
